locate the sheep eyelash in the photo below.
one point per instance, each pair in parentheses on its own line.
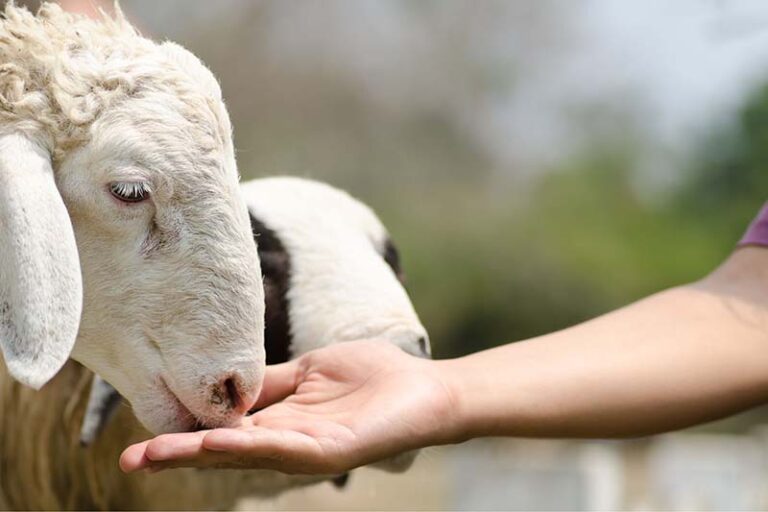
(130,191)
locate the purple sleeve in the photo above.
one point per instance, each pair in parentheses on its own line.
(757,233)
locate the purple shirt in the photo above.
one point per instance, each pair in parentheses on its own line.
(757,233)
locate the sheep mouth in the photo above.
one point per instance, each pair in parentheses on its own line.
(188,421)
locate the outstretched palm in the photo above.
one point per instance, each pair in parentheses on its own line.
(342,406)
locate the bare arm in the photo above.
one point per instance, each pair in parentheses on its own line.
(680,357)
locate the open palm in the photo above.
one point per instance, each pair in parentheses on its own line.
(331,410)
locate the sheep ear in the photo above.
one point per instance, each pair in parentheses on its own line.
(41,290)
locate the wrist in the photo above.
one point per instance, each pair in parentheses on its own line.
(461,402)
(493,393)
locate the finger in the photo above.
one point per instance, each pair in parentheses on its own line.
(222,460)
(266,447)
(205,459)
(185,445)
(134,457)
(253,442)
(285,451)
(280,381)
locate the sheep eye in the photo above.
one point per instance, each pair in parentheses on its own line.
(130,192)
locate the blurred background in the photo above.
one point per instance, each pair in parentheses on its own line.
(538,162)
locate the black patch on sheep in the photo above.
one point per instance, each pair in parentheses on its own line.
(276,269)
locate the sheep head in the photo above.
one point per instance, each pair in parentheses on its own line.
(329,261)
(125,241)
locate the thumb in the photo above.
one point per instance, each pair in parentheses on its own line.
(280,381)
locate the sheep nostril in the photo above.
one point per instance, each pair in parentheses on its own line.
(424,346)
(234,400)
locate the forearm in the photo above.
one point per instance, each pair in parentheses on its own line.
(678,358)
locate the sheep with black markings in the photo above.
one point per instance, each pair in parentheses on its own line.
(124,237)
(318,247)
(331,270)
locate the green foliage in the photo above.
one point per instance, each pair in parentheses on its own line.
(488,264)
(729,179)
(577,244)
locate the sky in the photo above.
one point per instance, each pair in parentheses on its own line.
(675,68)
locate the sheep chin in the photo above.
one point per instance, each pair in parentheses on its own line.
(161,411)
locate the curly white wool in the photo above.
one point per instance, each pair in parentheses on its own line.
(59,71)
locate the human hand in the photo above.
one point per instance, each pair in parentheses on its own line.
(329,411)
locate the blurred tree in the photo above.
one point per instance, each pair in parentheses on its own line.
(729,178)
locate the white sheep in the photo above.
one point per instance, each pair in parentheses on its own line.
(125,241)
(318,246)
(329,261)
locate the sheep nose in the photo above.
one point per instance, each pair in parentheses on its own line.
(424,347)
(416,344)
(230,392)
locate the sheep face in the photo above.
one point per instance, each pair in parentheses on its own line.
(173,304)
(123,232)
(336,265)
